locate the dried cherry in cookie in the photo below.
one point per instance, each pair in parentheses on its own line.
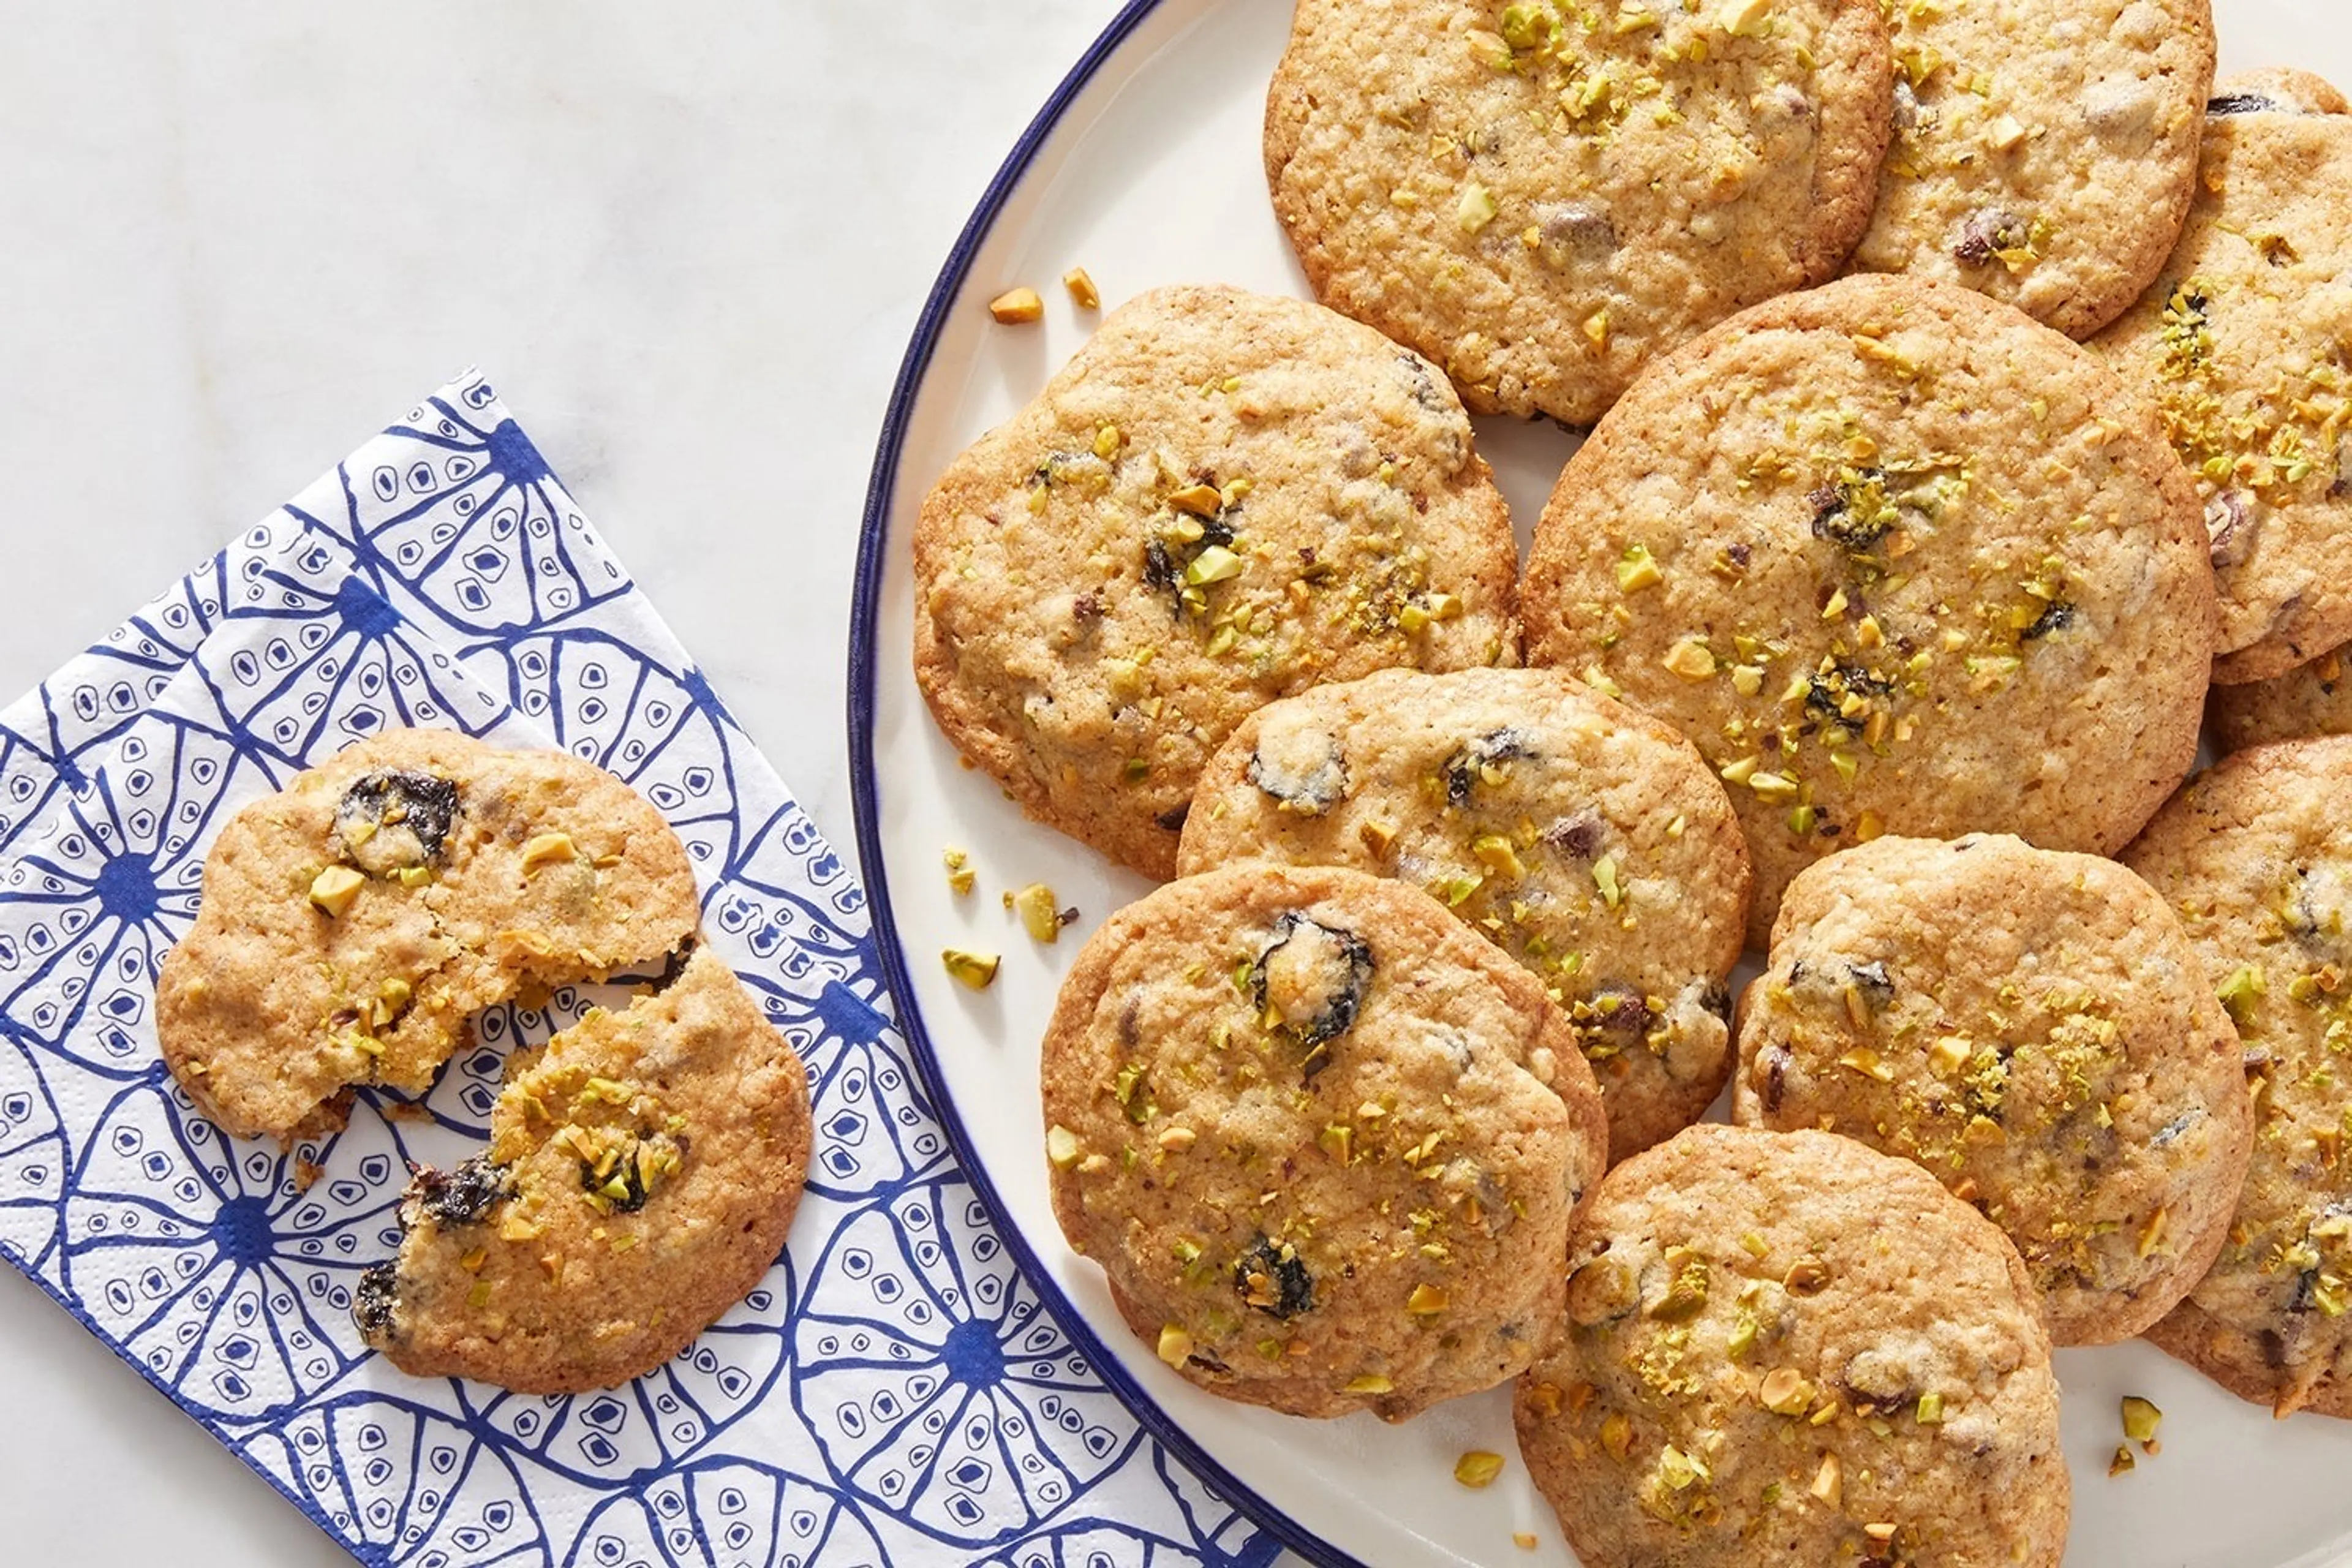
(1590,843)
(1324,1142)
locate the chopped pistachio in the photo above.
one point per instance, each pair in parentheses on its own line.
(2140,1418)
(1061,1146)
(1214,565)
(1637,569)
(1681,1471)
(1931,1409)
(1691,659)
(333,889)
(1427,1302)
(1039,912)
(1829,1481)
(547,849)
(1806,1277)
(2239,993)
(1616,1434)
(1370,1383)
(1175,1344)
(1017,307)
(1785,1392)
(1082,292)
(1477,208)
(1200,500)
(2122,1462)
(1747,18)
(1477,1469)
(415,876)
(1686,1293)
(1377,836)
(962,878)
(1497,853)
(1107,441)
(976,971)
(1604,877)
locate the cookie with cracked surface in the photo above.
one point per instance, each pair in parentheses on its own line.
(2240,339)
(641,1173)
(2252,856)
(1897,559)
(1786,1347)
(1324,1142)
(352,924)
(2033,1028)
(1588,841)
(2309,700)
(1999,112)
(1223,500)
(1543,205)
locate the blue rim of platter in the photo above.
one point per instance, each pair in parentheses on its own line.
(873,548)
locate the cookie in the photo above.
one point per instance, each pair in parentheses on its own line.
(1784,1347)
(1543,205)
(1588,841)
(2252,856)
(2309,700)
(1897,560)
(352,924)
(2047,155)
(2240,339)
(2033,1028)
(1223,500)
(641,1172)
(1324,1142)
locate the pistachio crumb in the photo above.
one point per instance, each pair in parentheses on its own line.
(975,971)
(1175,1344)
(334,888)
(548,849)
(1062,1147)
(1039,912)
(1082,292)
(2141,1418)
(1017,307)
(1477,1469)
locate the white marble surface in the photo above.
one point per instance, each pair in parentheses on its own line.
(687,240)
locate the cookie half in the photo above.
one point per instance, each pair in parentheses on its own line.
(1223,500)
(2033,1028)
(642,1172)
(353,923)
(1999,113)
(1542,203)
(2240,341)
(1897,560)
(1324,1142)
(2254,856)
(1784,1347)
(1588,841)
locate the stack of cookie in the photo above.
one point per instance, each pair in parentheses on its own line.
(1872,627)
(643,1165)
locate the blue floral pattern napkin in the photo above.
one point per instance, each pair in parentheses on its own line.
(893,1393)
